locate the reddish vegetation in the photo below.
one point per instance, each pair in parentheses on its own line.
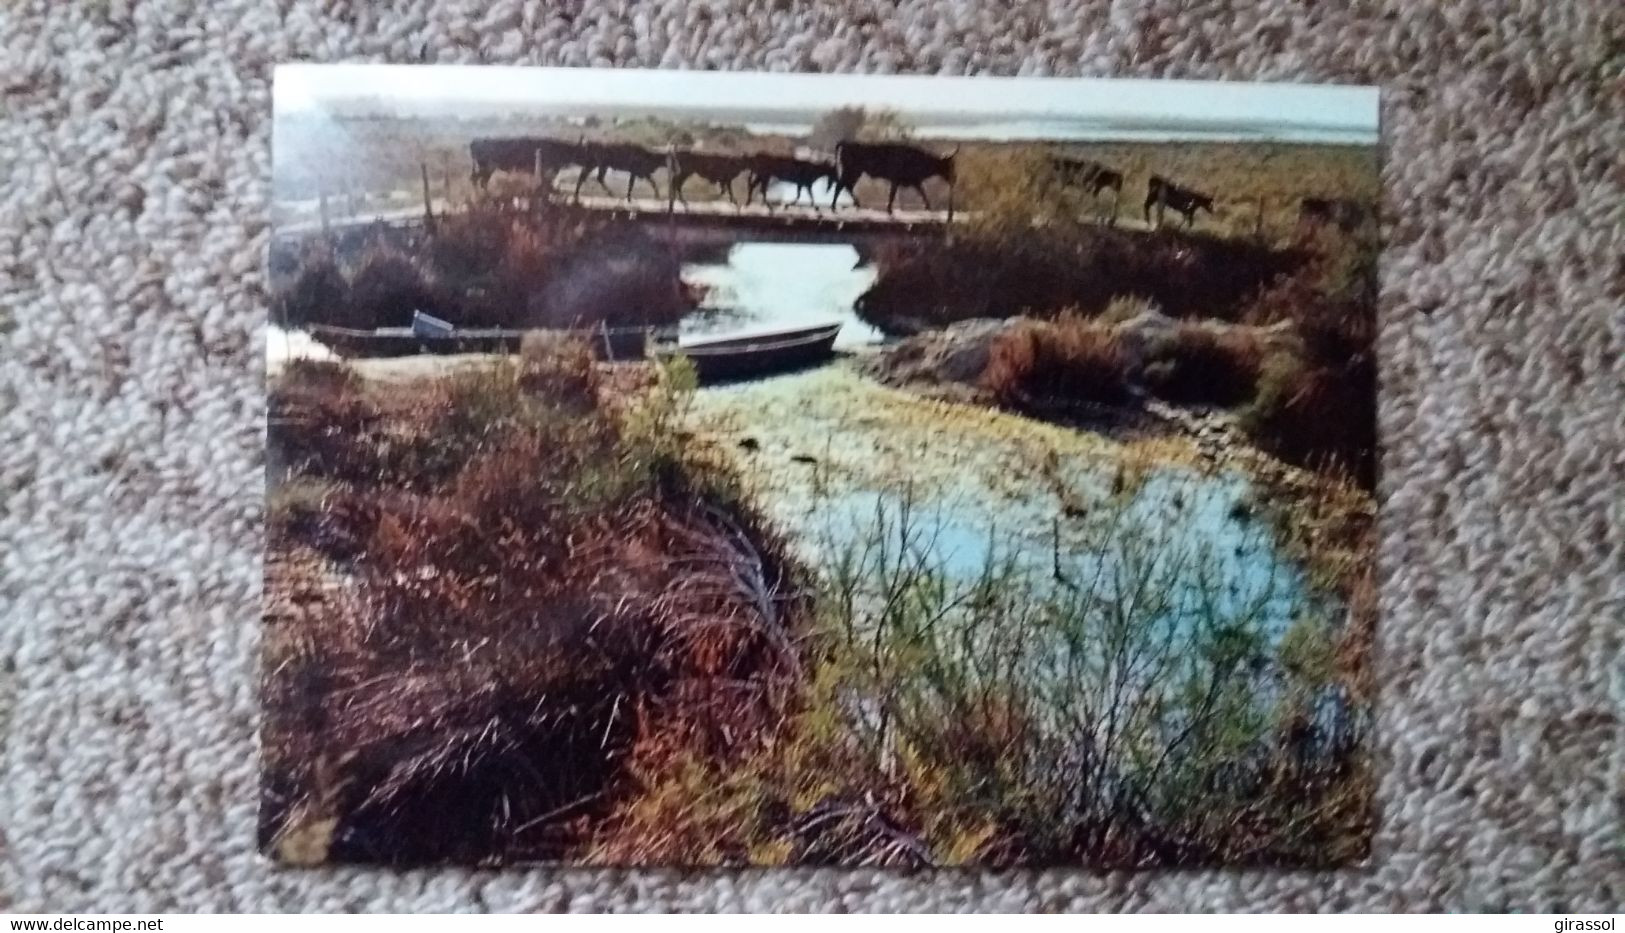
(482,593)
(1069,359)
(1319,409)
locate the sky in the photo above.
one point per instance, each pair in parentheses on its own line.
(958,107)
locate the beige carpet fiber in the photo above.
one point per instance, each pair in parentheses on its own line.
(134,165)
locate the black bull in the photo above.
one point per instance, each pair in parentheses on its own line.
(635,161)
(1082,173)
(719,170)
(521,154)
(550,156)
(1162,193)
(765,170)
(900,165)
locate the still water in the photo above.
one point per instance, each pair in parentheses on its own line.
(831,452)
(769,286)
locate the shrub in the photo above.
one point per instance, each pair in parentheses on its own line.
(386,288)
(526,264)
(1197,365)
(620,277)
(1042,272)
(1288,298)
(1318,409)
(996,720)
(466,248)
(560,367)
(319,295)
(1337,335)
(509,625)
(484,267)
(1350,273)
(1318,416)
(1068,360)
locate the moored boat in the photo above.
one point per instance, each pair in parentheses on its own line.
(614,343)
(733,357)
(403,341)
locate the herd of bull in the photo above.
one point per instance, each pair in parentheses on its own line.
(899,165)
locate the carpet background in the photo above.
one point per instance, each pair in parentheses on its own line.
(135,162)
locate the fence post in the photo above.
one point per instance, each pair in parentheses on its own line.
(671,175)
(671,202)
(428,205)
(536,173)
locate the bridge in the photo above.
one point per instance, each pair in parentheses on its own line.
(697,227)
(696,223)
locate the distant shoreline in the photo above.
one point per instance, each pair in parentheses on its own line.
(1025,131)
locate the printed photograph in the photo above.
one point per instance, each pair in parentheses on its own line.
(731,469)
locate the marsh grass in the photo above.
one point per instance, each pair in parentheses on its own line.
(1071,359)
(570,637)
(482,590)
(1002,719)
(1316,407)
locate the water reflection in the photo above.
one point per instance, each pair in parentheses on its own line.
(769,286)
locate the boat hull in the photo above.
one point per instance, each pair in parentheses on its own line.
(744,357)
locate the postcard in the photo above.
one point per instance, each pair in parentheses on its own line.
(730,469)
